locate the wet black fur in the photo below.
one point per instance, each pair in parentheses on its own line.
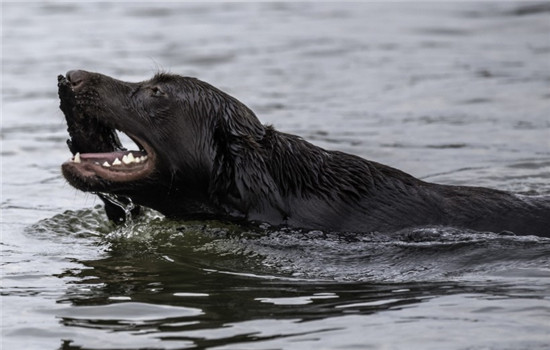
(216,160)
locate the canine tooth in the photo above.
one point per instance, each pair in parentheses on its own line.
(106,164)
(117,161)
(77,158)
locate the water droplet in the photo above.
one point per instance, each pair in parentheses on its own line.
(126,207)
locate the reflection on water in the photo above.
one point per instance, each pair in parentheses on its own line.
(452,93)
(207,284)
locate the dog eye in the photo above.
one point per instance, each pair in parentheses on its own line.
(157,92)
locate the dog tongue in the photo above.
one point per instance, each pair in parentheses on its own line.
(111,156)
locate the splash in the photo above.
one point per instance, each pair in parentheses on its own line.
(126,207)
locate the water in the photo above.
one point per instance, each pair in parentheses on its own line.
(451,93)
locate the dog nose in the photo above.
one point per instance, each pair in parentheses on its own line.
(76,77)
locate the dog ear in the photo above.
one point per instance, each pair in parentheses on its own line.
(241,177)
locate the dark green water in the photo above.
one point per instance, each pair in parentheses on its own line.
(454,93)
(163,284)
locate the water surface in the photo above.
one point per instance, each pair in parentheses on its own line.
(451,93)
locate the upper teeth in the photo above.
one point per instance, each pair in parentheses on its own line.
(76,158)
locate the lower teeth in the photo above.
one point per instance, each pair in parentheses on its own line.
(126,159)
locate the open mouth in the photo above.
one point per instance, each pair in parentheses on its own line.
(119,166)
(98,154)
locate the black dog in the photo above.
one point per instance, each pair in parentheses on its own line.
(205,155)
